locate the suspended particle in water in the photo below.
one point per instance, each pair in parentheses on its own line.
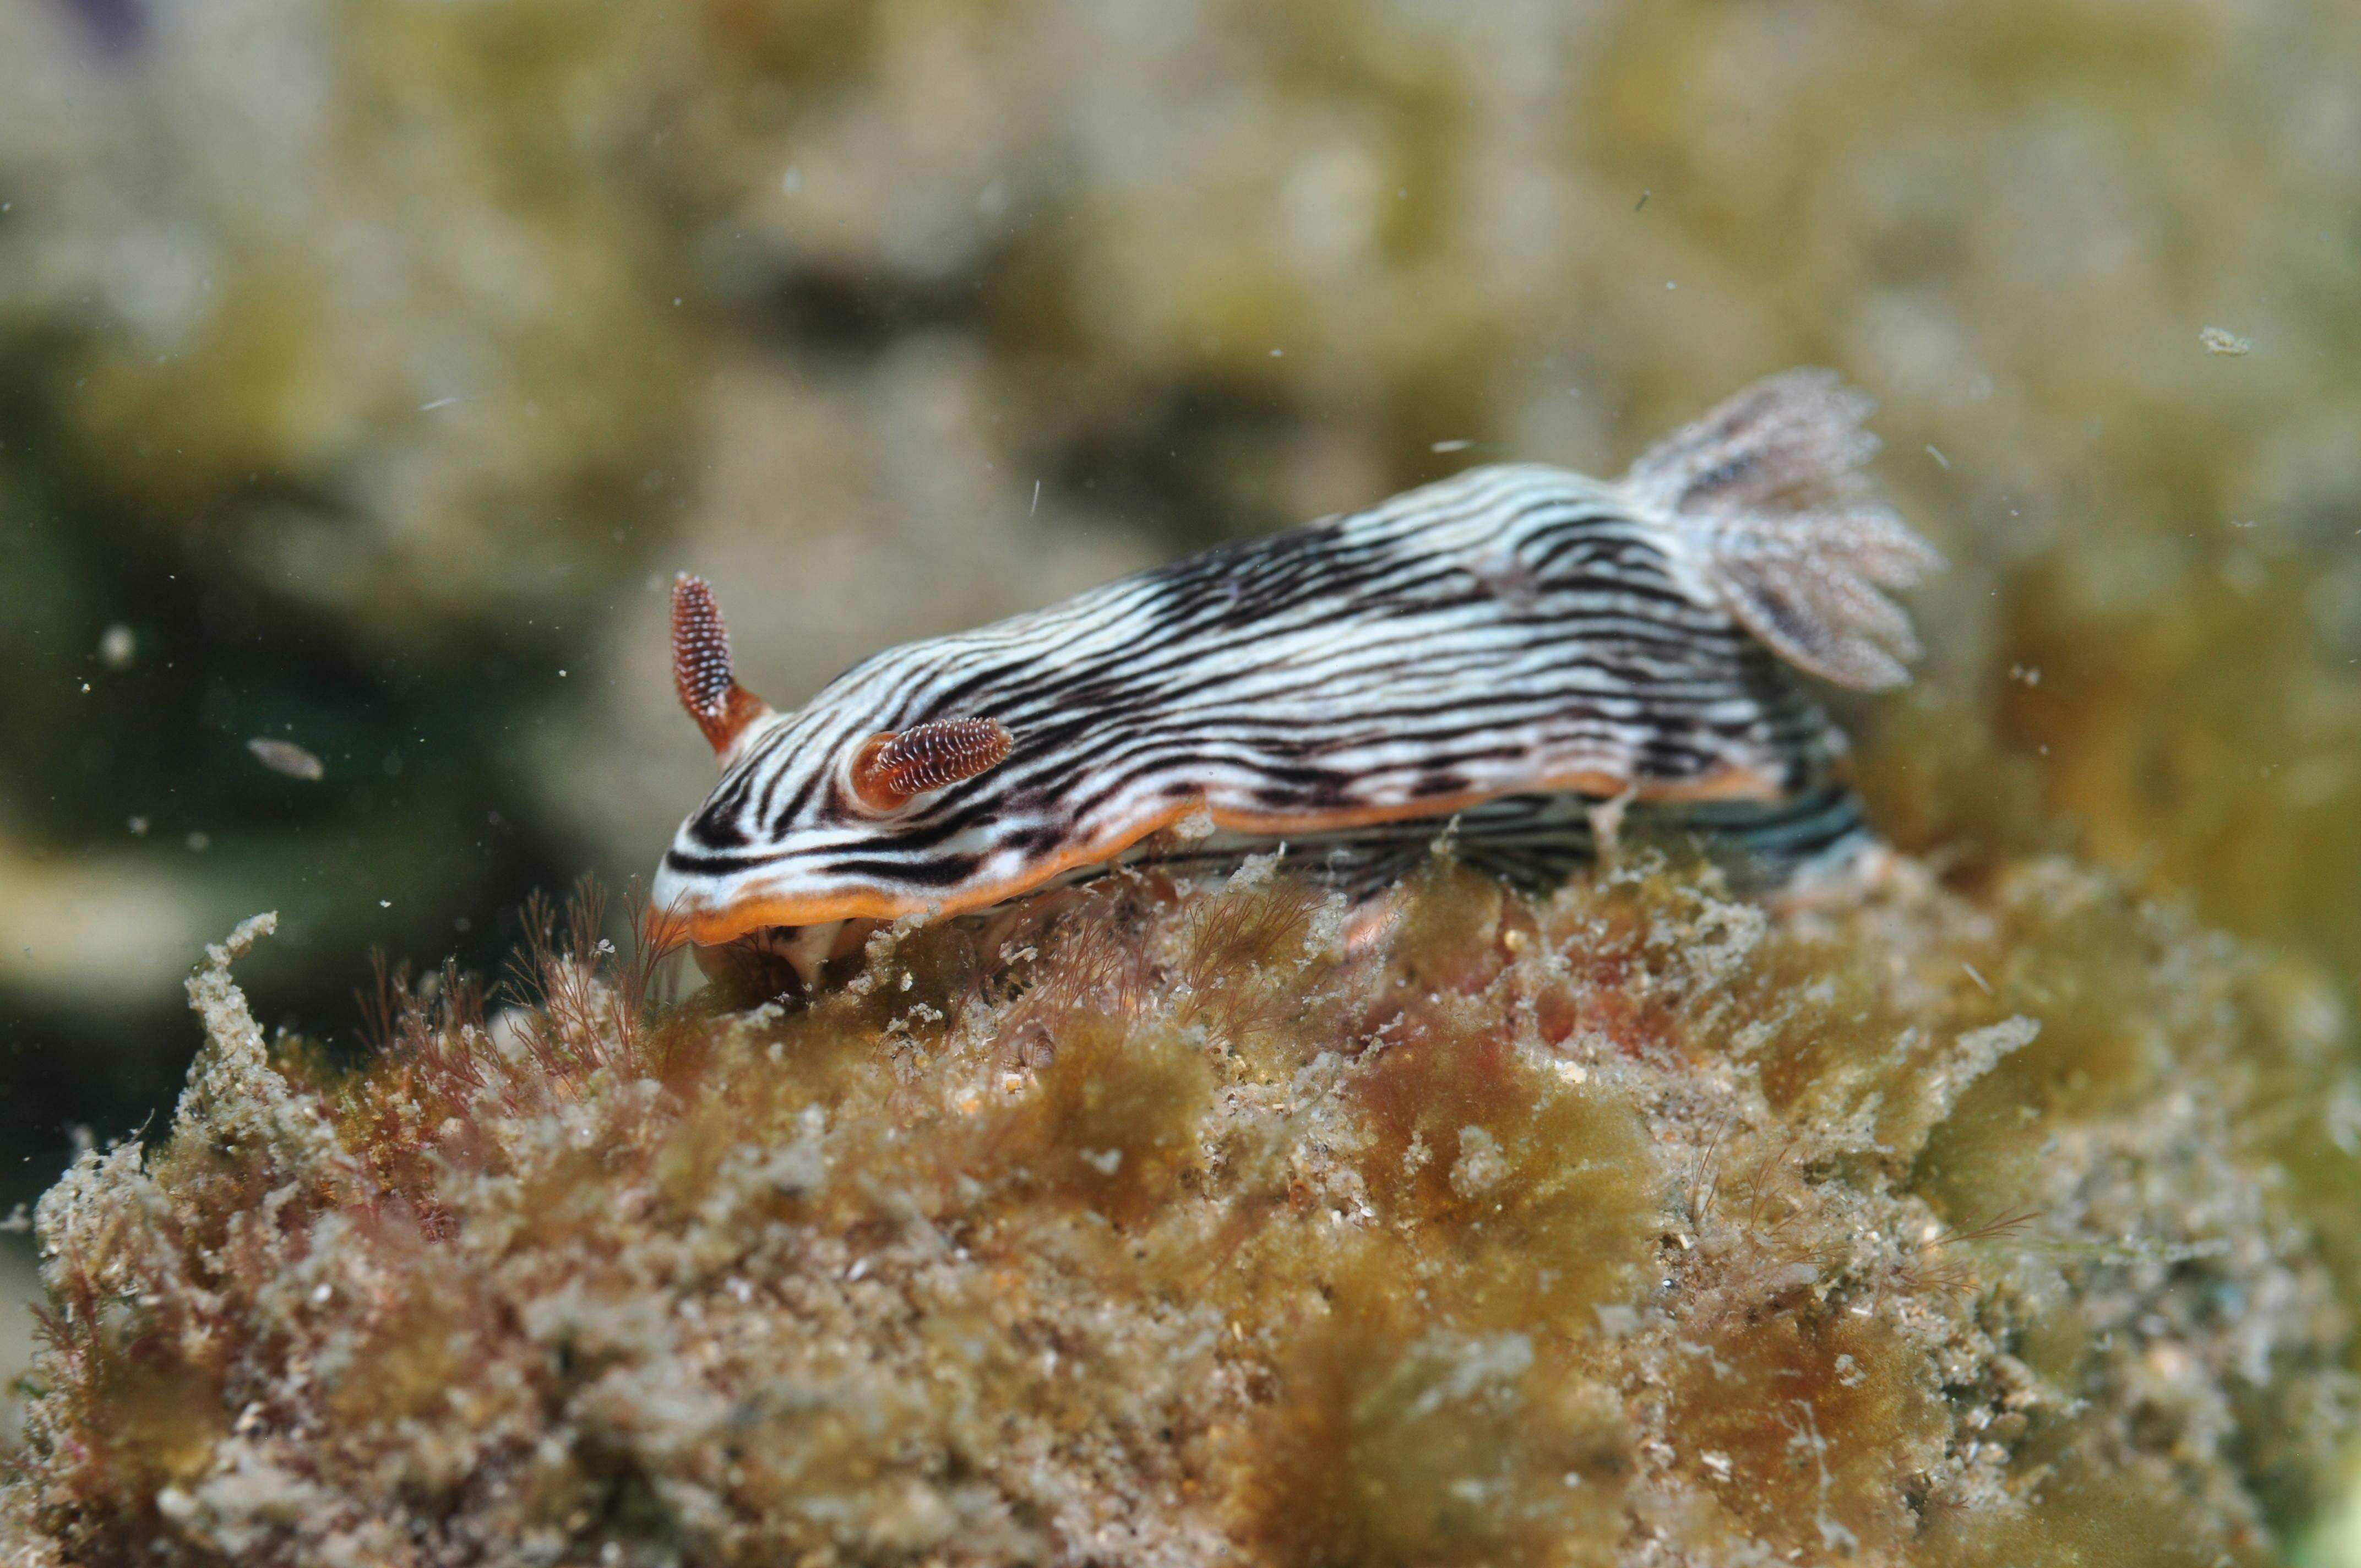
(286,757)
(2221,340)
(118,647)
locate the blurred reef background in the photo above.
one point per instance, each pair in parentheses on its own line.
(367,367)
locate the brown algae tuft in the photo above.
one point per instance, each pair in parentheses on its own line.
(1639,1225)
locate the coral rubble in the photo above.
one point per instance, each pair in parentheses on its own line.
(1637,1226)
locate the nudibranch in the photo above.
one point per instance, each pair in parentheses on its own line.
(1508,651)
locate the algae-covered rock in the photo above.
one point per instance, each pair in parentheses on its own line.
(1636,1226)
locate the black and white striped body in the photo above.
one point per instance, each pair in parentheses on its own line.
(1514,634)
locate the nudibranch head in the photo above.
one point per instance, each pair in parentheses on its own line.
(1502,647)
(847,809)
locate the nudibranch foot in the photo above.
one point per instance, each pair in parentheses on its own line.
(1535,841)
(1800,853)
(784,961)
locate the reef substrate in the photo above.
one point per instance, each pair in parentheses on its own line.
(1999,1223)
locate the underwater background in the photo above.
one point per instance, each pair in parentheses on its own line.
(366,368)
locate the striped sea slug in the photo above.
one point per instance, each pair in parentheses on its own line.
(1511,650)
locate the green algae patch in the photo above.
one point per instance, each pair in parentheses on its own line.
(1914,1222)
